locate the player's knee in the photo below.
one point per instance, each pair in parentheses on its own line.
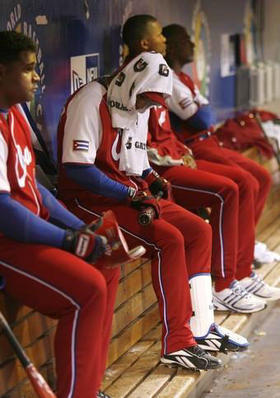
(230,189)
(201,231)
(175,239)
(97,286)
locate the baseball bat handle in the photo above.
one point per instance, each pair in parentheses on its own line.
(38,382)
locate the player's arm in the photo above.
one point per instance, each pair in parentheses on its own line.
(19,223)
(203,119)
(190,107)
(94,180)
(58,213)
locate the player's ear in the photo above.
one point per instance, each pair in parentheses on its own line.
(144,44)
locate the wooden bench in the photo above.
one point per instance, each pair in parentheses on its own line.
(133,370)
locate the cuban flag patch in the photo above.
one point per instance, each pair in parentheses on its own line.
(80,145)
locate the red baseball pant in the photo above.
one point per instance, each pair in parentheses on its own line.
(258,177)
(179,243)
(62,286)
(195,188)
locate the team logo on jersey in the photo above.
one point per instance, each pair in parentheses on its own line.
(23,159)
(80,145)
(163,70)
(128,144)
(120,79)
(116,147)
(140,65)
(84,69)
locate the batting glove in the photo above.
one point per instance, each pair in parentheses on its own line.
(141,201)
(85,244)
(158,185)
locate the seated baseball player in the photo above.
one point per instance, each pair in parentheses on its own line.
(102,138)
(193,184)
(196,130)
(45,266)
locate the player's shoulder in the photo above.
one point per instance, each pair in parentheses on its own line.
(89,95)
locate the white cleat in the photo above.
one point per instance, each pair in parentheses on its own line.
(236,298)
(255,285)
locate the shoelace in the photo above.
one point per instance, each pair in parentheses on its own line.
(239,290)
(257,278)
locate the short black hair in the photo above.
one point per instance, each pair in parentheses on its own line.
(173,32)
(134,28)
(12,44)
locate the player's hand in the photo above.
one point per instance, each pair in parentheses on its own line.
(158,185)
(189,161)
(86,244)
(141,201)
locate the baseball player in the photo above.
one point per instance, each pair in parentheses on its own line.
(103,163)
(195,115)
(45,250)
(194,186)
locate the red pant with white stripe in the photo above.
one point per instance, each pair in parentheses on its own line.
(180,245)
(258,177)
(64,287)
(195,188)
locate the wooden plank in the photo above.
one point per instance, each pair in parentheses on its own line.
(180,385)
(134,282)
(133,333)
(124,362)
(154,382)
(136,373)
(154,334)
(132,308)
(130,267)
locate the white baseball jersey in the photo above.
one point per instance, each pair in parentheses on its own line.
(186,98)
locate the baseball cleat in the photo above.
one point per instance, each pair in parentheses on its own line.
(220,339)
(191,358)
(255,285)
(238,299)
(101,394)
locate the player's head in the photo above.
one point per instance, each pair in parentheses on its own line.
(143,33)
(179,47)
(18,79)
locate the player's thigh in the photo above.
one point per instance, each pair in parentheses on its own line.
(257,171)
(193,188)
(48,278)
(190,225)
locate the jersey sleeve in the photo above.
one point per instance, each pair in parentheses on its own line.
(183,102)
(4,182)
(82,131)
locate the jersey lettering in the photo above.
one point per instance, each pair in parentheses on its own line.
(116,155)
(23,159)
